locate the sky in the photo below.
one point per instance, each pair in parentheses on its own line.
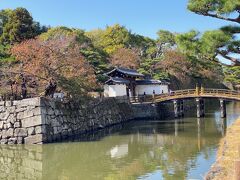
(143,17)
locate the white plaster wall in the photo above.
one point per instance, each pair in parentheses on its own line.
(148,89)
(106,91)
(165,88)
(115,90)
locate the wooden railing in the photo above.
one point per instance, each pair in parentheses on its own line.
(188,93)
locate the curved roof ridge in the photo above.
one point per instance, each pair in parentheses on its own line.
(130,72)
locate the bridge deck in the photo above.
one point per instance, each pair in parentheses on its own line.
(187,94)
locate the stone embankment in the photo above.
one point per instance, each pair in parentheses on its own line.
(40,120)
(20,121)
(228,154)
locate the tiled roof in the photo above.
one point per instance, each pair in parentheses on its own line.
(116,80)
(150,81)
(129,72)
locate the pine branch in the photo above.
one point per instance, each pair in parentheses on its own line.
(237,20)
(235,61)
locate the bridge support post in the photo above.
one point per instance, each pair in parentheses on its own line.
(200,107)
(223,108)
(178,108)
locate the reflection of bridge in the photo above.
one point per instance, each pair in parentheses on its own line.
(199,94)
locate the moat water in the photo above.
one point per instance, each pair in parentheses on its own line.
(145,150)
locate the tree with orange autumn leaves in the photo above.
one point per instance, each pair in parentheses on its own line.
(127,58)
(182,68)
(59,59)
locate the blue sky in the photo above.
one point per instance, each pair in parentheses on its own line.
(144,17)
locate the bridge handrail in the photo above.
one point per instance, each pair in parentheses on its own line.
(184,93)
(224,91)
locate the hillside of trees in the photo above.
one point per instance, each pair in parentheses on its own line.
(77,59)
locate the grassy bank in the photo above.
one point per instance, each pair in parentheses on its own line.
(228,152)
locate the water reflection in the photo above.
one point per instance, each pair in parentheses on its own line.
(171,149)
(21,162)
(223,126)
(119,151)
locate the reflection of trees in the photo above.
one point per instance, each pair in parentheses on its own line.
(174,156)
(86,160)
(154,146)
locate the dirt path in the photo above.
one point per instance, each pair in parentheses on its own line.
(228,152)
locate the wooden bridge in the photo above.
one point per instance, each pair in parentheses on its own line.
(199,94)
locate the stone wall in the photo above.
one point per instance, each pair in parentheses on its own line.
(20,121)
(144,111)
(61,120)
(40,120)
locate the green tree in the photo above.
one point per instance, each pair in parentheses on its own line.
(99,61)
(17,27)
(232,75)
(221,9)
(154,53)
(165,40)
(112,38)
(203,47)
(189,42)
(4,16)
(62,31)
(201,51)
(142,44)
(225,41)
(96,37)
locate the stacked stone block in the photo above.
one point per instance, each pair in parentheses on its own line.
(40,120)
(20,122)
(62,120)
